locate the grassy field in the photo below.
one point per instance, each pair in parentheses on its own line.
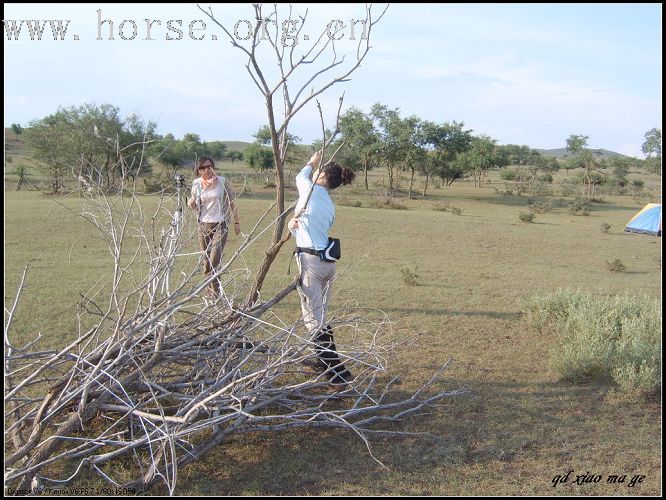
(520,426)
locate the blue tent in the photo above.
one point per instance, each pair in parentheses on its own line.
(646,221)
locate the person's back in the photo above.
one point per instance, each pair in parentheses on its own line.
(319,215)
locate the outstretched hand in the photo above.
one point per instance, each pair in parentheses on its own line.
(315,159)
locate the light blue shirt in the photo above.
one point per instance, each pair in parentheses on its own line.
(318,217)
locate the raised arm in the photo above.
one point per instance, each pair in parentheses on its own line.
(305,177)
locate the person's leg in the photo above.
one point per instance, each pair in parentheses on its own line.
(314,289)
(218,240)
(204,246)
(311,289)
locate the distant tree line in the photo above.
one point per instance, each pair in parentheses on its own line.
(100,148)
(383,138)
(94,142)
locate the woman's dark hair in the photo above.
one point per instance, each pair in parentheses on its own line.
(336,175)
(201,161)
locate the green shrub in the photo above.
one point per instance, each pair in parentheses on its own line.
(384,201)
(540,188)
(540,207)
(605,226)
(22,176)
(615,338)
(379,183)
(570,189)
(505,192)
(526,216)
(616,266)
(580,206)
(509,174)
(637,184)
(409,277)
(445,207)
(638,352)
(343,201)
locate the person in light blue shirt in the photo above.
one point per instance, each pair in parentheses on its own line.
(315,215)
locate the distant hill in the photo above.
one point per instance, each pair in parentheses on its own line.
(563,153)
(14,143)
(236,145)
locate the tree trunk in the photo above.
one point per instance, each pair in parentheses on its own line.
(279,152)
(389,167)
(425,187)
(365,169)
(411,184)
(107,168)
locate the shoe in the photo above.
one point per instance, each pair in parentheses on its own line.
(320,366)
(342,378)
(325,348)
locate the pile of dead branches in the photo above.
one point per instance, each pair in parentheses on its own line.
(158,374)
(165,375)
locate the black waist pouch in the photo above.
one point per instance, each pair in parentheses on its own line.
(332,252)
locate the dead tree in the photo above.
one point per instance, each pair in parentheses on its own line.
(268,33)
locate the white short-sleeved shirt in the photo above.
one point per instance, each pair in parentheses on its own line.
(210,201)
(317,220)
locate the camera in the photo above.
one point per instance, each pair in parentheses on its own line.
(180,180)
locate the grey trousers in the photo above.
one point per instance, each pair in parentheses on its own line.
(212,238)
(314,289)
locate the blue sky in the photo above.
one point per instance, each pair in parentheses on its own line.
(523,74)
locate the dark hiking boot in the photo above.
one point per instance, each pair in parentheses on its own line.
(328,360)
(342,378)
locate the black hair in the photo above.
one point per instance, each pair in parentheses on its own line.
(336,175)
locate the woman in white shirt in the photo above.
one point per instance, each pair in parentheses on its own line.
(213,199)
(310,227)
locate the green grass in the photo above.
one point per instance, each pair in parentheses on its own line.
(521,425)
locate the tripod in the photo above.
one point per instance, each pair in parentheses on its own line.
(173,233)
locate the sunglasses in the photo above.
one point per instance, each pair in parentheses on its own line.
(205,167)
